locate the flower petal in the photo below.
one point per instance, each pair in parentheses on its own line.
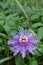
(23,54)
(16,52)
(33,40)
(30,35)
(16,36)
(31,48)
(12,41)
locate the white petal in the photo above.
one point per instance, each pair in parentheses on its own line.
(23,54)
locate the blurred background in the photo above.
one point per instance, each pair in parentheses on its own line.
(15,14)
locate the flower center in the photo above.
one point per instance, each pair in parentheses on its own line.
(23,38)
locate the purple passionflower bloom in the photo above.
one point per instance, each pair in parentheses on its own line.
(22,42)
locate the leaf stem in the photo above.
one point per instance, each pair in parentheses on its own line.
(22,8)
(5,59)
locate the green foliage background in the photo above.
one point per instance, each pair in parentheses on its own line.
(16,14)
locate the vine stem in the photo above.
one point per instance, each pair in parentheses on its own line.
(22,8)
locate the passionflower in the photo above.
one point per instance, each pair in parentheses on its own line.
(22,42)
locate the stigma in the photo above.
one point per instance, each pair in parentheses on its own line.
(23,38)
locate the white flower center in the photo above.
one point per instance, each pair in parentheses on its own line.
(23,38)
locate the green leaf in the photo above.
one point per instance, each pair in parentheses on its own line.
(38,52)
(28,56)
(40,48)
(1,28)
(33,61)
(6,50)
(3,5)
(28,10)
(1,49)
(11,23)
(3,35)
(34,17)
(7,28)
(1,22)
(40,32)
(25,24)
(19,60)
(35,25)
(42,19)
